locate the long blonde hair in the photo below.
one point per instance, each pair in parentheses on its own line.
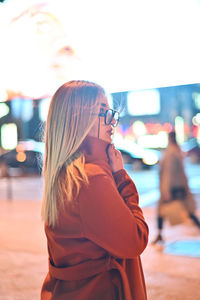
(72,112)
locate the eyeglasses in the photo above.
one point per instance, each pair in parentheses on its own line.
(109,115)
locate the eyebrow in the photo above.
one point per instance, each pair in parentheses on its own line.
(103,104)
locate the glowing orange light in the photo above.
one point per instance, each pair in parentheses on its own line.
(21,156)
(195,131)
(186,129)
(167,127)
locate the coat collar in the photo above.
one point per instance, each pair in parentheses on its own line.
(94,149)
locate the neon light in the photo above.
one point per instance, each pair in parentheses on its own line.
(179,128)
(4,109)
(9,136)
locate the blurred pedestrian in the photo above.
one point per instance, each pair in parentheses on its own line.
(174,184)
(94,226)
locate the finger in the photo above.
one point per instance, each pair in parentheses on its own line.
(111,149)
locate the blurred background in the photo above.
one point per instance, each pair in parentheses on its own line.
(146,56)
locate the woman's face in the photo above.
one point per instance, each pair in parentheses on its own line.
(100,129)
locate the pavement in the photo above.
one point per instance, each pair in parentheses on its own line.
(23,250)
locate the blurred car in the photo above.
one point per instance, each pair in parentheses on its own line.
(192,150)
(26,159)
(141,158)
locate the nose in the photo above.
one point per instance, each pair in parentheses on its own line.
(113,122)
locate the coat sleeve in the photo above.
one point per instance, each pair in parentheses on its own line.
(111,216)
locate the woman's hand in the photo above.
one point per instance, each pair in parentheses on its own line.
(115,158)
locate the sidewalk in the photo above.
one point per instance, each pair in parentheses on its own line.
(23,256)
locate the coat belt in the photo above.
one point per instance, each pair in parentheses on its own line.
(90,268)
(82,270)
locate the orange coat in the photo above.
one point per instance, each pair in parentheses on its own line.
(94,251)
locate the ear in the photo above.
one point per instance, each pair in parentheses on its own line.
(101,110)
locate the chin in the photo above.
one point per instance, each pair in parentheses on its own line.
(108,139)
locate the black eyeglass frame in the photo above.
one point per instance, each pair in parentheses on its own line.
(114,112)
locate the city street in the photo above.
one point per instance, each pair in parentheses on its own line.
(170,275)
(75,77)
(146,181)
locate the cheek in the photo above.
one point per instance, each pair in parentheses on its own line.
(104,128)
(93,131)
(104,132)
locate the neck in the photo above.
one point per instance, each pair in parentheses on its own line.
(94,147)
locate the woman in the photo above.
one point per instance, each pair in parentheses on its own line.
(95,229)
(174,184)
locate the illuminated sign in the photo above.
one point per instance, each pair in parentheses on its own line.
(145,102)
